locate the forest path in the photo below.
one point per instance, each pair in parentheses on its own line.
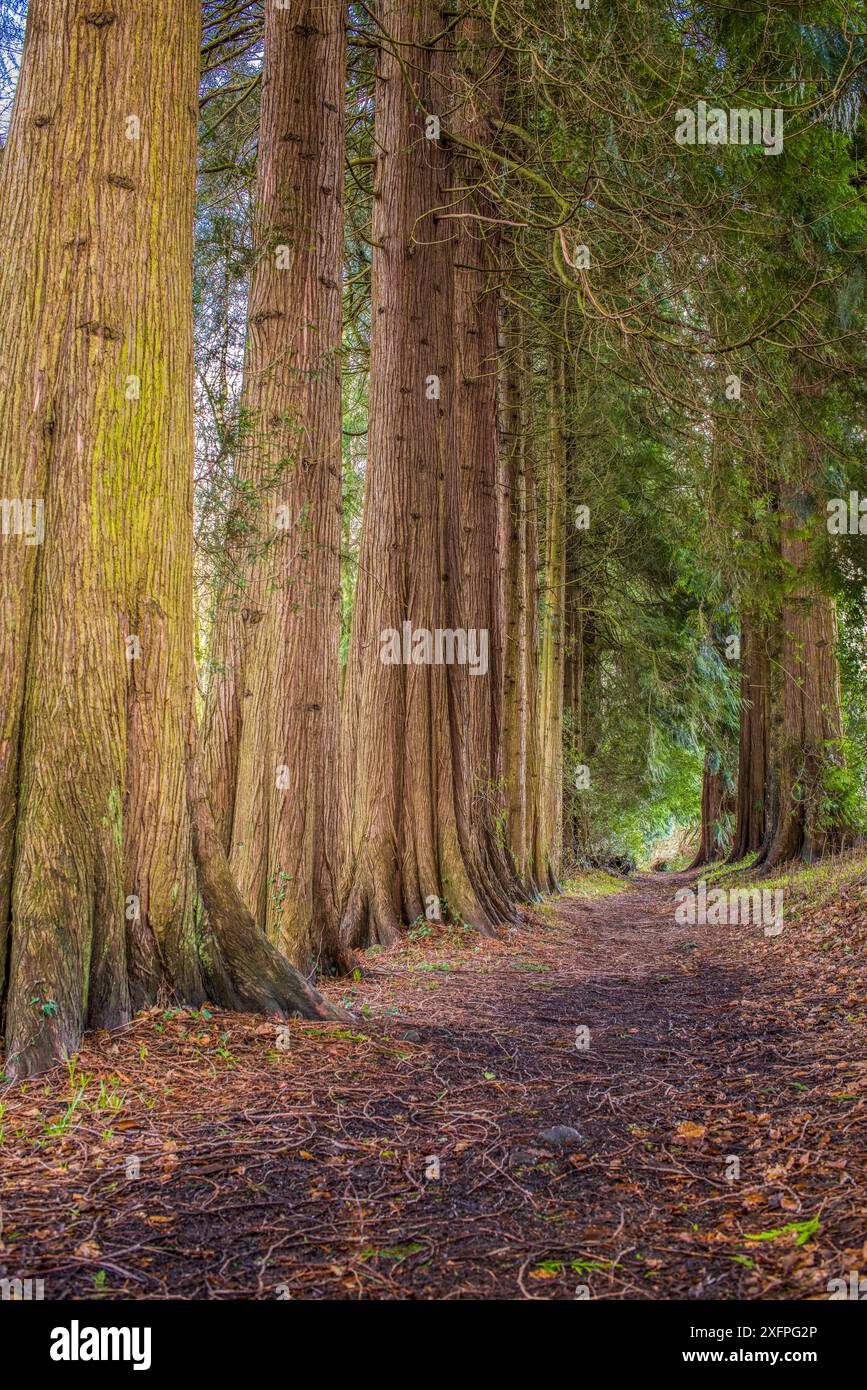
(216,1164)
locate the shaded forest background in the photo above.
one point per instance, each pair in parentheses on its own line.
(653,358)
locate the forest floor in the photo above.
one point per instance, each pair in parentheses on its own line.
(207,1155)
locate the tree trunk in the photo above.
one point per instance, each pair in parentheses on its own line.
(749,830)
(553,616)
(112,884)
(403,816)
(272,729)
(474,519)
(538,876)
(715,807)
(809,744)
(521,745)
(514,564)
(576,818)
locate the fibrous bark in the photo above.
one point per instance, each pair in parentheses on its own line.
(716,805)
(553,611)
(113,889)
(807,726)
(474,529)
(749,832)
(519,549)
(404,806)
(272,719)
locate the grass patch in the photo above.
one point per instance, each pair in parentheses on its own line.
(594,883)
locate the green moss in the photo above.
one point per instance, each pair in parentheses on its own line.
(114,819)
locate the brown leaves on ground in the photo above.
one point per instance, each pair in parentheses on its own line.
(720,1110)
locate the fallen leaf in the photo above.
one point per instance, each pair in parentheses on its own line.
(687,1129)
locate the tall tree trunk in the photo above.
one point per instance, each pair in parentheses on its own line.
(553,618)
(576,818)
(513,487)
(750,802)
(272,730)
(520,545)
(537,875)
(474,523)
(112,883)
(402,810)
(809,744)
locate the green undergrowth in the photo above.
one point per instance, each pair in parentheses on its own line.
(594,883)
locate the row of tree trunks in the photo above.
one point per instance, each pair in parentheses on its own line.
(114,891)
(467,857)
(272,722)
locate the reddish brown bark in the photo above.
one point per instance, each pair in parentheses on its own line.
(272,726)
(749,832)
(520,545)
(553,617)
(716,806)
(405,808)
(475,521)
(808,713)
(516,565)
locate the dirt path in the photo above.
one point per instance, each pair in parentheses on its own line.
(213,1163)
